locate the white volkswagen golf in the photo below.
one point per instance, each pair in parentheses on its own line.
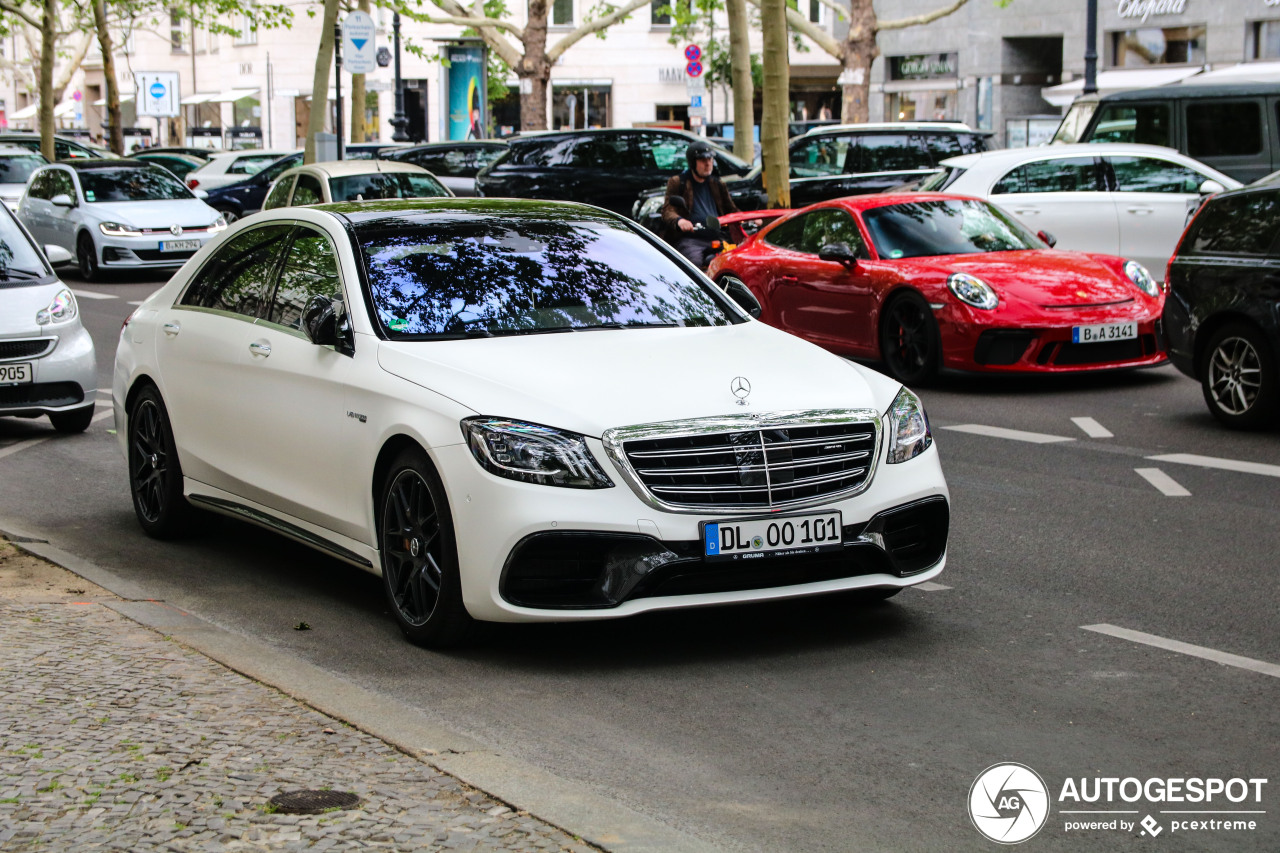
(517,411)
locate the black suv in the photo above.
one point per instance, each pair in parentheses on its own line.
(1222,315)
(607,168)
(63,148)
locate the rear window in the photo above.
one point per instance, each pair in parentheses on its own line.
(1235,225)
(17,168)
(1145,123)
(552,152)
(944,145)
(1224,130)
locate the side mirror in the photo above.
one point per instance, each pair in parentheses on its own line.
(738,292)
(839,253)
(63,200)
(58,256)
(200,194)
(322,322)
(1211,186)
(1048,238)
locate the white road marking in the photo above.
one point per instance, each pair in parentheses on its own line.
(1162,481)
(1092,428)
(1014,434)
(1223,464)
(89,294)
(1187,649)
(21,445)
(930,586)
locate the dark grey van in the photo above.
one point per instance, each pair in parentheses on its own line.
(1235,128)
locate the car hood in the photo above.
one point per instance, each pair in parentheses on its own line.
(187,212)
(590,381)
(18,307)
(1045,277)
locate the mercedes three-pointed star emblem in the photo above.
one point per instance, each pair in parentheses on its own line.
(741,388)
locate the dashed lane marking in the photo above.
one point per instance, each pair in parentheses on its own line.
(1223,464)
(1014,434)
(139,302)
(1092,428)
(1187,649)
(22,445)
(930,586)
(1162,481)
(91,294)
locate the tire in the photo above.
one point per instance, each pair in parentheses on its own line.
(228,214)
(910,344)
(76,420)
(419,554)
(155,474)
(1238,377)
(87,258)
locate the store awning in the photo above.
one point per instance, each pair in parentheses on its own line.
(333,94)
(102,102)
(1245,72)
(198,98)
(28,111)
(1118,81)
(935,84)
(62,110)
(232,95)
(65,109)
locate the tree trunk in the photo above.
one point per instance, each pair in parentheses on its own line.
(860,51)
(743,89)
(115,129)
(534,70)
(776,102)
(48,35)
(320,81)
(358,94)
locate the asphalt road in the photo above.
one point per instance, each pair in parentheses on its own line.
(817,724)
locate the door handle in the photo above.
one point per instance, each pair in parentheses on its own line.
(260,348)
(1026,211)
(171,329)
(789,279)
(1140,211)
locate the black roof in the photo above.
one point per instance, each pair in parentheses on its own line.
(1194,91)
(85,164)
(540,135)
(381,211)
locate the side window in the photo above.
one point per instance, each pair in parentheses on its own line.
(278,168)
(1065,175)
(606,152)
(279,195)
(307,190)
(1236,225)
(40,186)
(789,234)
(891,152)
(62,150)
(663,153)
(486,155)
(823,156)
(238,277)
(310,269)
(1145,123)
(64,183)
(1149,175)
(454,164)
(1224,129)
(823,227)
(247,166)
(556,152)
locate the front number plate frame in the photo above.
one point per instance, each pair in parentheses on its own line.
(771,536)
(1104,332)
(21,373)
(179,245)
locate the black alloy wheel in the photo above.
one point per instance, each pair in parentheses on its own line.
(76,420)
(419,555)
(87,257)
(155,476)
(228,214)
(909,341)
(1239,377)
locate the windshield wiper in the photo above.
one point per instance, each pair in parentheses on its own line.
(10,272)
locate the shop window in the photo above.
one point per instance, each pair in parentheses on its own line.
(562,13)
(1169,46)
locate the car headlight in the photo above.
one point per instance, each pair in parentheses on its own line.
(972,290)
(909,433)
(118,229)
(1141,279)
(60,310)
(649,207)
(219,224)
(532,453)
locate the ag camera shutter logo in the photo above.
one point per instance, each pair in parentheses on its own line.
(1008,803)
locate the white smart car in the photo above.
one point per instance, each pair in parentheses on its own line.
(517,411)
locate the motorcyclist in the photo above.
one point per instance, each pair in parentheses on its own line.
(692,196)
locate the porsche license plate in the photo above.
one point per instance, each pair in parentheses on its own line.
(16,374)
(777,536)
(1104,332)
(179,245)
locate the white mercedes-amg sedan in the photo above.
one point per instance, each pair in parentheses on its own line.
(517,411)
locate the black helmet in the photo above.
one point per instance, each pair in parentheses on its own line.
(697,151)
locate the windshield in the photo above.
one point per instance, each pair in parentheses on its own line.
(945,227)
(385,185)
(1074,123)
(17,168)
(939,181)
(150,183)
(18,258)
(476,275)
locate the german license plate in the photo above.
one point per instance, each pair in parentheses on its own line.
(1104,332)
(777,536)
(179,245)
(16,374)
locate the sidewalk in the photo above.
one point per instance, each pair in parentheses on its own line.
(113,737)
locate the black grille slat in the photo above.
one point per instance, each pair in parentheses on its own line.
(27,348)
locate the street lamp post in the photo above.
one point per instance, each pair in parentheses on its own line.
(1091,48)
(398,121)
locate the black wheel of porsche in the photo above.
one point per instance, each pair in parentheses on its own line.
(155,475)
(1238,377)
(87,258)
(419,555)
(76,420)
(909,341)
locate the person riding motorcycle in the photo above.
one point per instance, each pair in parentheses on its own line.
(692,196)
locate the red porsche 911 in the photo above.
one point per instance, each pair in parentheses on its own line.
(925,281)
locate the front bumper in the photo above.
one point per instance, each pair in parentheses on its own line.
(65,377)
(146,252)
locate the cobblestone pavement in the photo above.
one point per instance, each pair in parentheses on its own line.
(113,737)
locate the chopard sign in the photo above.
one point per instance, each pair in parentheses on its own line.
(1146,8)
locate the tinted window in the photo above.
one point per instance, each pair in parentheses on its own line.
(944,145)
(612,152)
(821,157)
(1145,123)
(1236,225)
(61,182)
(1066,175)
(662,153)
(41,187)
(951,227)
(238,276)
(276,169)
(1224,130)
(1149,175)
(308,190)
(385,185)
(787,235)
(554,152)
(476,276)
(131,184)
(16,169)
(279,195)
(892,153)
(311,269)
(823,227)
(250,165)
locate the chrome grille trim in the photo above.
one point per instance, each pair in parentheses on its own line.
(774,465)
(21,349)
